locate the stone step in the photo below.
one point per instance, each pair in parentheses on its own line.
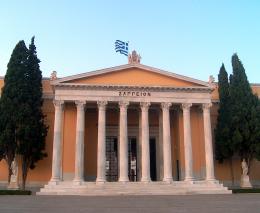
(134,192)
(109,193)
(135,188)
(131,186)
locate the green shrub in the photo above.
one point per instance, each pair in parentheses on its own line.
(15,192)
(246,190)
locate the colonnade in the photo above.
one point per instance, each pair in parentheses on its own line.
(123,140)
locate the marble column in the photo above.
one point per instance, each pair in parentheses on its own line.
(187,142)
(159,160)
(167,154)
(123,143)
(56,156)
(79,149)
(161,168)
(139,154)
(145,143)
(101,151)
(208,143)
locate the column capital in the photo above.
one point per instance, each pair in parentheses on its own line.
(206,106)
(80,104)
(145,105)
(102,104)
(165,105)
(186,106)
(123,104)
(58,103)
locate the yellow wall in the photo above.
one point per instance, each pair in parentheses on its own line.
(42,172)
(134,76)
(69,135)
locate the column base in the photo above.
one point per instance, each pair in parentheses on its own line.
(189,179)
(100,181)
(123,180)
(77,182)
(212,180)
(145,180)
(54,181)
(168,180)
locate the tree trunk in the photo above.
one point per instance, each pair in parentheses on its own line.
(249,161)
(232,171)
(9,173)
(9,161)
(24,173)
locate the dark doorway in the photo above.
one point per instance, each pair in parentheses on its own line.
(132,159)
(153,159)
(111,159)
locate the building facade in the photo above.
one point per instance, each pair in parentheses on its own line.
(131,126)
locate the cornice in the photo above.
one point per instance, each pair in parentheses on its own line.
(132,87)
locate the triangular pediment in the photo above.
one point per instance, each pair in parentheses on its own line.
(133,74)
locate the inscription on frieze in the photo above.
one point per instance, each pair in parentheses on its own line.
(134,93)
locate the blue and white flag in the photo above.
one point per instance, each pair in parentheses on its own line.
(121,47)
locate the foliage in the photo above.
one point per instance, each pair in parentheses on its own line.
(222,132)
(244,114)
(15,192)
(32,130)
(22,128)
(238,127)
(12,96)
(253,190)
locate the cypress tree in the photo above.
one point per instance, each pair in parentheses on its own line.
(11,99)
(223,146)
(32,128)
(244,118)
(222,133)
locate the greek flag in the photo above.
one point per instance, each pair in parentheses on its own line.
(121,47)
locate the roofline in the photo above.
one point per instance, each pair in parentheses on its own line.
(127,66)
(255,84)
(251,84)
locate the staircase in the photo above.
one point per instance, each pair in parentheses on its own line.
(134,188)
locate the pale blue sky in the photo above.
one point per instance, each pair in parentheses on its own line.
(191,38)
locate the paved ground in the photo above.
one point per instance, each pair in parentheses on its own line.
(239,203)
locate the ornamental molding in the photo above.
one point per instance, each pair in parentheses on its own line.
(145,105)
(102,104)
(206,106)
(132,87)
(80,104)
(59,104)
(166,105)
(123,104)
(186,106)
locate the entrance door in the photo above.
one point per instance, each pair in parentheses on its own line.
(132,159)
(153,159)
(111,159)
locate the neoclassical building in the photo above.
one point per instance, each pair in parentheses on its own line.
(131,129)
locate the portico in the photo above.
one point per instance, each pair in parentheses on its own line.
(139,129)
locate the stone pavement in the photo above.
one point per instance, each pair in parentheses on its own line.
(239,203)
